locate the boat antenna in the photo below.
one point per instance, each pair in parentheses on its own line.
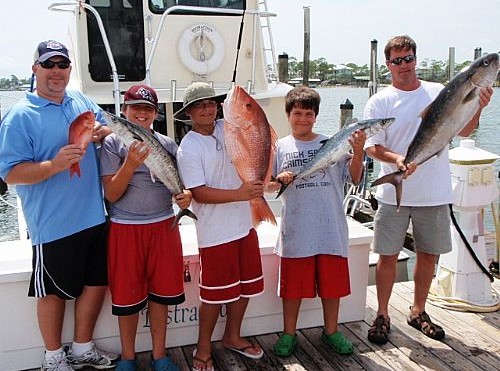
(238,47)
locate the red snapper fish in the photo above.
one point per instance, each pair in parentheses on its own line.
(80,133)
(250,143)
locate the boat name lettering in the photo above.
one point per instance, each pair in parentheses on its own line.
(179,314)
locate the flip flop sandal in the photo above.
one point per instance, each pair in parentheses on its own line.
(243,352)
(379,331)
(285,345)
(423,323)
(204,362)
(338,342)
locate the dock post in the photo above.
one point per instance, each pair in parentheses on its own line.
(345,112)
(283,68)
(477,53)
(451,63)
(307,46)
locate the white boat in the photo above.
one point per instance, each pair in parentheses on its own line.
(117,44)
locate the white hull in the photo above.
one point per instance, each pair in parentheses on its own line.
(21,345)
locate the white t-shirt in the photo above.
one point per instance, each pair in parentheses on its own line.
(430,185)
(203,160)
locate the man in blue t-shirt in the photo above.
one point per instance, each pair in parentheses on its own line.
(65,215)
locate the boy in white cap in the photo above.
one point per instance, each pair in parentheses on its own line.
(231,270)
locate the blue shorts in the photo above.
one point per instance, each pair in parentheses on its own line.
(63,267)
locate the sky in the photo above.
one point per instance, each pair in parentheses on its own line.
(340,31)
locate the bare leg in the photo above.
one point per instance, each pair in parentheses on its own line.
(232,337)
(128,330)
(50,313)
(158,315)
(208,318)
(385,276)
(330,314)
(291,309)
(422,275)
(87,308)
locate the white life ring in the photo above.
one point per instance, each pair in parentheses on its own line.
(201,49)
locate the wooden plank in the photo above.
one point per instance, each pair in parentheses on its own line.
(276,363)
(443,352)
(322,357)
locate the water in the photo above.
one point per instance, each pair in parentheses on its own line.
(486,137)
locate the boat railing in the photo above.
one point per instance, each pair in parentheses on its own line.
(63,7)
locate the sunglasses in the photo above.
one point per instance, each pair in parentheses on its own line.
(48,64)
(204,104)
(397,61)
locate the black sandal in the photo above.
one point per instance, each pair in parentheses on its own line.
(423,323)
(379,331)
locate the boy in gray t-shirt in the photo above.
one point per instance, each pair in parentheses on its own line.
(313,239)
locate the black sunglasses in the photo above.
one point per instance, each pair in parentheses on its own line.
(407,58)
(48,64)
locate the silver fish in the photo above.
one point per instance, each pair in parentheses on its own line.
(446,116)
(338,145)
(160,162)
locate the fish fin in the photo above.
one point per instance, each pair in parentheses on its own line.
(424,111)
(396,179)
(440,152)
(283,186)
(74,169)
(261,211)
(152,176)
(184,212)
(470,96)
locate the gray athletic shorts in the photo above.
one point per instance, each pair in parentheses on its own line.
(430,228)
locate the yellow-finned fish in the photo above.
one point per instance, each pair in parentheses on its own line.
(250,143)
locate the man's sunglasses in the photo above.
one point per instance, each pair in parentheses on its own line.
(48,64)
(397,61)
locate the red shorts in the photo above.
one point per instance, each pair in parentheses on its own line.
(231,270)
(144,263)
(326,276)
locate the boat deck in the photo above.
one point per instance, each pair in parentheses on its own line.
(472,343)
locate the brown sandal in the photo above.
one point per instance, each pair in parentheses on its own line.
(423,323)
(379,331)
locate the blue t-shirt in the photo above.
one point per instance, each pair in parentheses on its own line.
(34,130)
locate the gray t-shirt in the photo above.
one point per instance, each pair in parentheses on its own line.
(144,201)
(313,220)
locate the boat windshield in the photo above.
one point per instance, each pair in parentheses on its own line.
(123,22)
(159,6)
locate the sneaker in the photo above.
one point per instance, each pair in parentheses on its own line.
(285,345)
(163,364)
(95,358)
(126,365)
(57,363)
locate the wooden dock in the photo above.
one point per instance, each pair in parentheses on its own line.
(472,343)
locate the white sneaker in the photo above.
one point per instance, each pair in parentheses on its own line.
(57,363)
(94,357)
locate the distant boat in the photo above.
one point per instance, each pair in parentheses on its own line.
(298,81)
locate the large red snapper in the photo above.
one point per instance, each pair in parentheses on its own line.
(250,143)
(80,133)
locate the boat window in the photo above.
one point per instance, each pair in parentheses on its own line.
(124,25)
(159,6)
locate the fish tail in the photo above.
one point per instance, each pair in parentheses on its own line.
(184,212)
(74,169)
(396,179)
(261,211)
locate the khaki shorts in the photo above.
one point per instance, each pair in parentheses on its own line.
(430,228)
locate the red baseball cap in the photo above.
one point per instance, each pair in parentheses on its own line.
(141,94)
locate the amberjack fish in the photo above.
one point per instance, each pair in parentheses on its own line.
(160,162)
(80,133)
(334,148)
(446,116)
(250,143)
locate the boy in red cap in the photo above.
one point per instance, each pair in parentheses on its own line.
(145,253)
